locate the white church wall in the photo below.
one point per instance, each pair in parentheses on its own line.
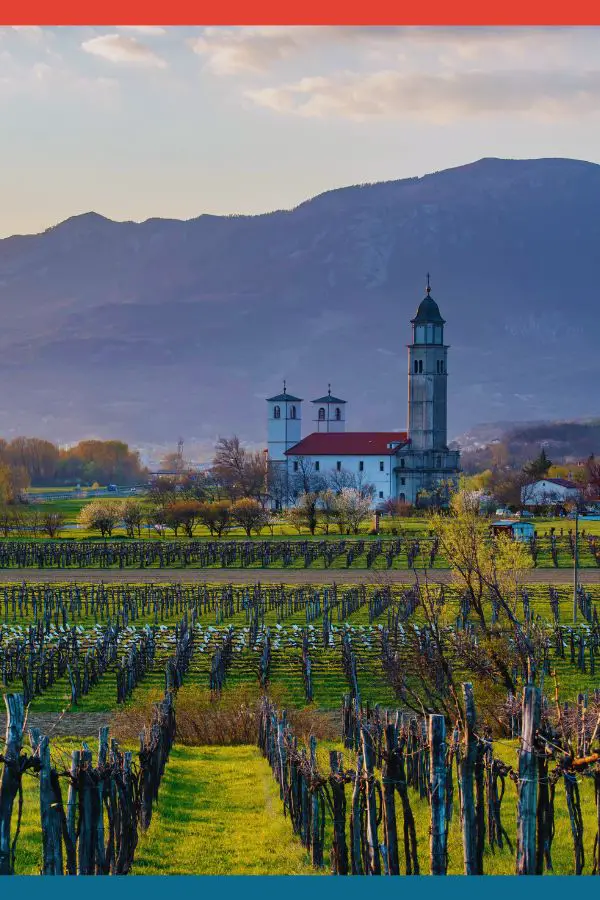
(383,481)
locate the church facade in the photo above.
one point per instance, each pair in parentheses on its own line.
(404,466)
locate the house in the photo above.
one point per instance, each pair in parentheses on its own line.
(549,492)
(520,531)
(400,465)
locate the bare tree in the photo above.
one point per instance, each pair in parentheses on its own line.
(341,479)
(279,489)
(241,471)
(250,514)
(305,478)
(133,517)
(52,523)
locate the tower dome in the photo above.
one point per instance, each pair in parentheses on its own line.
(428,312)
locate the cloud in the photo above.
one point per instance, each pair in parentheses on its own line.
(230,51)
(437,98)
(150,30)
(118,48)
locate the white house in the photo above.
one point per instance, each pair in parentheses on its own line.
(549,491)
(399,464)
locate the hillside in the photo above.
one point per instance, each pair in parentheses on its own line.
(518,442)
(152,330)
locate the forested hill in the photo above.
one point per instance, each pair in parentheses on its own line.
(517,443)
(165,328)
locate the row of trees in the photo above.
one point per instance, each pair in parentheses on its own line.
(179,515)
(25,461)
(346,510)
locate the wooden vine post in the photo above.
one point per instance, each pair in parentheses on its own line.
(339,850)
(528,783)
(51,811)
(466,771)
(11,776)
(438,837)
(390,779)
(374,862)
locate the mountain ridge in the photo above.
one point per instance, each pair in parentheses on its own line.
(145,330)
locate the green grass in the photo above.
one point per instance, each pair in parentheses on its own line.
(219,813)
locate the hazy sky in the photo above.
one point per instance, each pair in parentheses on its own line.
(146,121)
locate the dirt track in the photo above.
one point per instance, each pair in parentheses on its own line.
(268,576)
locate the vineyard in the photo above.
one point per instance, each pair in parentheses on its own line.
(361,802)
(556,550)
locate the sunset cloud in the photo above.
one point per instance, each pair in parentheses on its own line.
(437,98)
(119,48)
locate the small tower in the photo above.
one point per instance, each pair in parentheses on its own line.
(284,424)
(329,413)
(427,378)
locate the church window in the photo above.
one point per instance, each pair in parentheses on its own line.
(441,366)
(338,414)
(402,462)
(338,466)
(292,412)
(295,465)
(276,412)
(381,495)
(420,366)
(416,366)
(403,481)
(402,498)
(321,413)
(317,466)
(381,465)
(361,466)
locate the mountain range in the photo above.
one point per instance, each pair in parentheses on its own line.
(154,330)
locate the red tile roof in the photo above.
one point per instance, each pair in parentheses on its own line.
(350,443)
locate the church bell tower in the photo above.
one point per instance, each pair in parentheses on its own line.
(284,427)
(427,378)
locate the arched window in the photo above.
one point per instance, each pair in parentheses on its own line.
(420,366)
(292,412)
(338,414)
(321,414)
(416,366)
(441,366)
(276,412)
(402,498)
(402,462)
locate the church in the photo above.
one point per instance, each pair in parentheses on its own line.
(399,465)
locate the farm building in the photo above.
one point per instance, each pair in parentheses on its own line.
(400,465)
(520,531)
(549,491)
